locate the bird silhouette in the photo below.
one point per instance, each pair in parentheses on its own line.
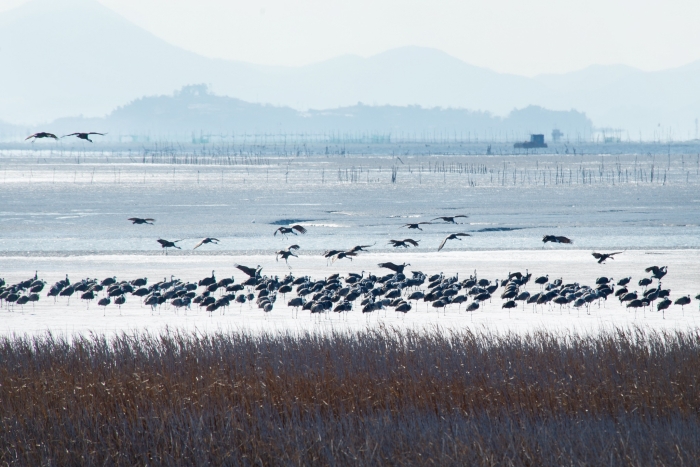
(416,225)
(449,219)
(138,220)
(454,236)
(285,254)
(168,244)
(397,268)
(41,134)
(602,257)
(405,243)
(290,230)
(85,136)
(556,239)
(215,241)
(251,272)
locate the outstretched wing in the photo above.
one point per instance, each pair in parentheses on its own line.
(72,134)
(31,136)
(563,240)
(462,235)
(278,230)
(460,215)
(95,133)
(654,269)
(293,247)
(249,271)
(438,218)
(597,255)
(299,229)
(411,241)
(163,242)
(149,219)
(391,266)
(443,243)
(133,219)
(199,244)
(616,253)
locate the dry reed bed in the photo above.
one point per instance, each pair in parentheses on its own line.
(377,397)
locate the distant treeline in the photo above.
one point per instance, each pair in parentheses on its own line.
(194,112)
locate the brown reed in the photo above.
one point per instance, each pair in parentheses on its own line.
(376,397)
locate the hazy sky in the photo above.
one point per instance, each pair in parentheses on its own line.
(514,36)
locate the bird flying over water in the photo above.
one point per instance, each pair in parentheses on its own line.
(416,225)
(601,257)
(85,136)
(41,134)
(138,220)
(168,244)
(454,236)
(291,230)
(449,219)
(555,239)
(215,241)
(405,243)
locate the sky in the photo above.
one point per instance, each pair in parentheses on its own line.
(511,36)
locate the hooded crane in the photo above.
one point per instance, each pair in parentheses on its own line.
(416,225)
(397,268)
(139,221)
(657,272)
(290,230)
(168,244)
(405,243)
(602,257)
(454,236)
(251,272)
(41,134)
(85,136)
(555,239)
(449,219)
(285,254)
(215,241)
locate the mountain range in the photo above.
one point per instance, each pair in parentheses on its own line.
(62,58)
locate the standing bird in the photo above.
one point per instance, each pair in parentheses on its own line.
(41,134)
(663,305)
(683,301)
(454,236)
(556,239)
(416,225)
(285,254)
(601,257)
(290,230)
(449,219)
(397,268)
(84,136)
(405,243)
(138,220)
(215,241)
(168,244)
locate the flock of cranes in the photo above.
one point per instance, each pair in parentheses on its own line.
(398,290)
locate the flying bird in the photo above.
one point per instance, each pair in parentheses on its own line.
(252,272)
(358,248)
(449,219)
(41,134)
(405,243)
(397,268)
(555,239)
(657,272)
(168,244)
(290,230)
(138,220)
(285,254)
(454,236)
(416,225)
(601,257)
(215,241)
(85,136)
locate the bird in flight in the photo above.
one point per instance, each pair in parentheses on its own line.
(454,236)
(358,248)
(290,230)
(168,244)
(449,219)
(85,136)
(416,225)
(397,268)
(405,243)
(251,272)
(41,134)
(215,241)
(285,254)
(555,239)
(138,220)
(601,257)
